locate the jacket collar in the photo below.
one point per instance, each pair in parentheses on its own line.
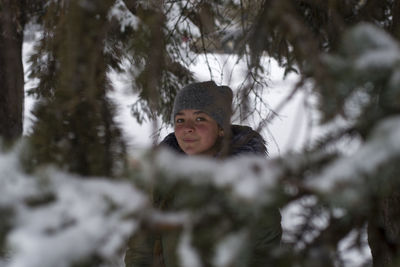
(244,140)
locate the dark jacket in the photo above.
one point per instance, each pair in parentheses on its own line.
(243,141)
(147,250)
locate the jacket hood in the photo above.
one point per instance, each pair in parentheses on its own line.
(244,140)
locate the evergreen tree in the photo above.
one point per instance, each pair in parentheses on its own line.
(299,34)
(75,127)
(347,50)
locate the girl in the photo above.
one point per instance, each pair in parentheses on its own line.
(201,115)
(202,127)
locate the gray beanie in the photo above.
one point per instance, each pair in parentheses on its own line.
(208,97)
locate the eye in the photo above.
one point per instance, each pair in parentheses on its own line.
(200,119)
(179,120)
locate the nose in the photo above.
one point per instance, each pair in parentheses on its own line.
(188,127)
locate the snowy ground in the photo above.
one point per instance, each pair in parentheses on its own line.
(286,133)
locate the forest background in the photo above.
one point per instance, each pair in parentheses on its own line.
(70,186)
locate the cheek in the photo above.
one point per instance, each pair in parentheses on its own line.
(209,134)
(177,131)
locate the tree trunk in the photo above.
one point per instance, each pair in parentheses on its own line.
(75,127)
(11,70)
(384,232)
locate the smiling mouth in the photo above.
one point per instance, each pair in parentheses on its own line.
(189,140)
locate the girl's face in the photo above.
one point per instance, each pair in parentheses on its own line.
(196,132)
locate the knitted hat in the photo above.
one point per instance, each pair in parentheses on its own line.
(214,100)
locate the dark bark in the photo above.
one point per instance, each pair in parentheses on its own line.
(395,27)
(11,69)
(384,230)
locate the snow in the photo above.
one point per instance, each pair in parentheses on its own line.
(366,37)
(27,49)
(228,249)
(78,217)
(137,136)
(13,182)
(83,217)
(177,21)
(247,178)
(244,179)
(381,147)
(355,255)
(187,254)
(71,216)
(286,132)
(374,49)
(126,19)
(378,60)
